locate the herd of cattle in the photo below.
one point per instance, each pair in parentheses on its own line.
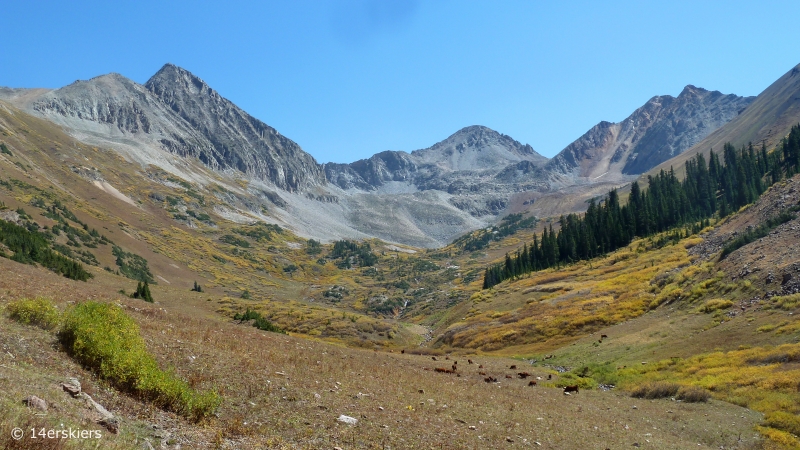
(453,369)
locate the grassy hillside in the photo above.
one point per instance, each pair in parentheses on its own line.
(365,321)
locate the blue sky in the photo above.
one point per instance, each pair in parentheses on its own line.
(346,79)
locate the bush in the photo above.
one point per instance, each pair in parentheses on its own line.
(105,339)
(258,321)
(38,311)
(693,394)
(784,421)
(657,389)
(715,304)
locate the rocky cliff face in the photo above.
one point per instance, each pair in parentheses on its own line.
(177,112)
(236,139)
(661,129)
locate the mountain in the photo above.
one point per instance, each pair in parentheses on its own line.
(177,123)
(472,152)
(662,128)
(767,120)
(174,113)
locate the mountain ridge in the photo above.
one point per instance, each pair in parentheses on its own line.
(662,128)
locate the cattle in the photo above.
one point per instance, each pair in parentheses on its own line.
(523,375)
(482,373)
(513,367)
(568,389)
(550,376)
(455,367)
(469,361)
(447,357)
(480,366)
(490,380)
(444,370)
(434,358)
(532,383)
(403,351)
(509,376)
(603,336)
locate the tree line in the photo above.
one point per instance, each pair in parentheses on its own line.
(708,189)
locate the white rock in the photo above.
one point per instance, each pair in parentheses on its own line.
(348,420)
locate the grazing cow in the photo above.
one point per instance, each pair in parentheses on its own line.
(508,376)
(603,336)
(403,351)
(480,366)
(532,383)
(490,380)
(513,367)
(482,372)
(444,370)
(447,357)
(455,367)
(523,375)
(549,376)
(434,358)
(568,389)
(469,361)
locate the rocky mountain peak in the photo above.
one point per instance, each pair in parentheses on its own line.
(475,148)
(171,78)
(662,128)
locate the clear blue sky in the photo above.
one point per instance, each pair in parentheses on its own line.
(346,79)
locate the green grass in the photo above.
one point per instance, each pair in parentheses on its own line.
(103,338)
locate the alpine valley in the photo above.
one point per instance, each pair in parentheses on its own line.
(176,273)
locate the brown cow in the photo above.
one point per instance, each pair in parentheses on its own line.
(532,383)
(480,366)
(603,336)
(523,375)
(482,372)
(469,361)
(513,367)
(455,367)
(490,379)
(434,358)
(444,370)
(508,376)
(549,376)
(568,389)
(403,351)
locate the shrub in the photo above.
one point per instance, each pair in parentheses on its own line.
(38,311)
(693,394)
(784,421)
(105,339)
(656,389)
(715,304)
(258,321)
(787,302)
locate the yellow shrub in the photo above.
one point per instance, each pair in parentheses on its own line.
(38,311)
(715,304)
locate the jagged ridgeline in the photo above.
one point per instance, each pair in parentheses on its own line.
(708,189)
